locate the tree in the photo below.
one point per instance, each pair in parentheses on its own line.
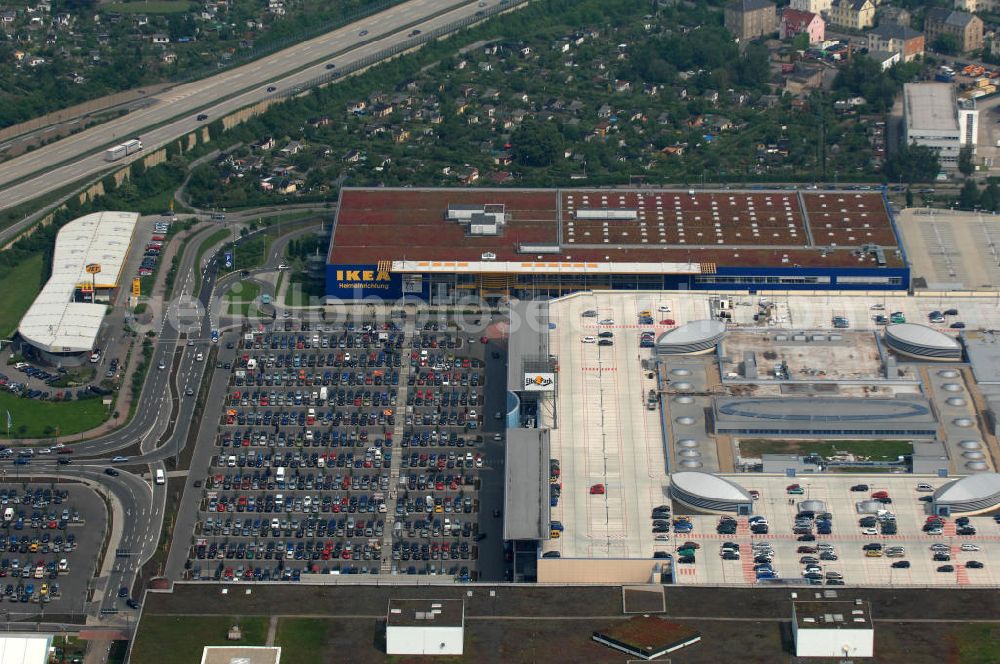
(968,197)
(965,164)
(912,163)
(946,44)
(909,197)
(537,143)
(990,198)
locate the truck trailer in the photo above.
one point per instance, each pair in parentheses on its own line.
(123,149)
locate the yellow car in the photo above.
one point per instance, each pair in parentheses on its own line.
(873,553)
(555,534)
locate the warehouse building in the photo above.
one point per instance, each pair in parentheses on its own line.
(935,118)
(443,245)
(62,324)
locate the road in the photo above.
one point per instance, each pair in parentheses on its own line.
(81,155)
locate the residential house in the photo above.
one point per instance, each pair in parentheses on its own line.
(750,19)
(292,149)
(160,38)
(794,22)
(893,14)
(382,110)
(852,14)
(169,57)
(894,38)
(8,16)
(811,6)
(266,143)
(885,59)
(966,29)
(352,156)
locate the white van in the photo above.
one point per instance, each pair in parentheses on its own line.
(161,477)
(280,476)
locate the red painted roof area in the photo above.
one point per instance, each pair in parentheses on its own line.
(729,228)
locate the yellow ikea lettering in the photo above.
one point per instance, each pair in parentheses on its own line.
(362,275)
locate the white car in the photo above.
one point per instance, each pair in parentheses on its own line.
(969,547)
(923,486)
(869,531)
(664,309)
(282,266)
(877,307)
(606,321)
(589,340)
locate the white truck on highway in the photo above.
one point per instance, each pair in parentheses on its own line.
(122,150)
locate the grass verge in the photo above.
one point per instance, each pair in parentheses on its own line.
(874,450)
(301,638)
(180,639)
(39,419)
(977,644)
(17,291)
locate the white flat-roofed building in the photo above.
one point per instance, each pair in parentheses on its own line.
(833,629)
(25,648)
(56,323)
(425,627)
(934,118)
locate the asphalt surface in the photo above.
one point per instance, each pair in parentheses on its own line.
(81,155)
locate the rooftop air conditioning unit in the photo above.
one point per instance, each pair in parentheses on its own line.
(489,256)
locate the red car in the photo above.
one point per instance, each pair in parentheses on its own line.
(597,490)
(668,321)
(878,495)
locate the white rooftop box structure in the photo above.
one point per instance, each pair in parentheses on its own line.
(54,322)
(425,627)
(825,628)
(25,648)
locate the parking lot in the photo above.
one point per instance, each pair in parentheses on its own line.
(607,435)
(49,539)
(850,562)
(346,449)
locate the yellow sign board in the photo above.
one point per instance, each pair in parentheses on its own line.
(136,287)
(93,268)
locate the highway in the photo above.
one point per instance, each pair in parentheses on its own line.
(81,155)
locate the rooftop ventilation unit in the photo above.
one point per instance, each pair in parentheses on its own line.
(488,256)
(487,219)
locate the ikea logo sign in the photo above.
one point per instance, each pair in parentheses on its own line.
(362,277)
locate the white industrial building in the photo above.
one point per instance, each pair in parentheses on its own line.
(25,648)
(824,628)
(935,118)
(59,324)
(425,627)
